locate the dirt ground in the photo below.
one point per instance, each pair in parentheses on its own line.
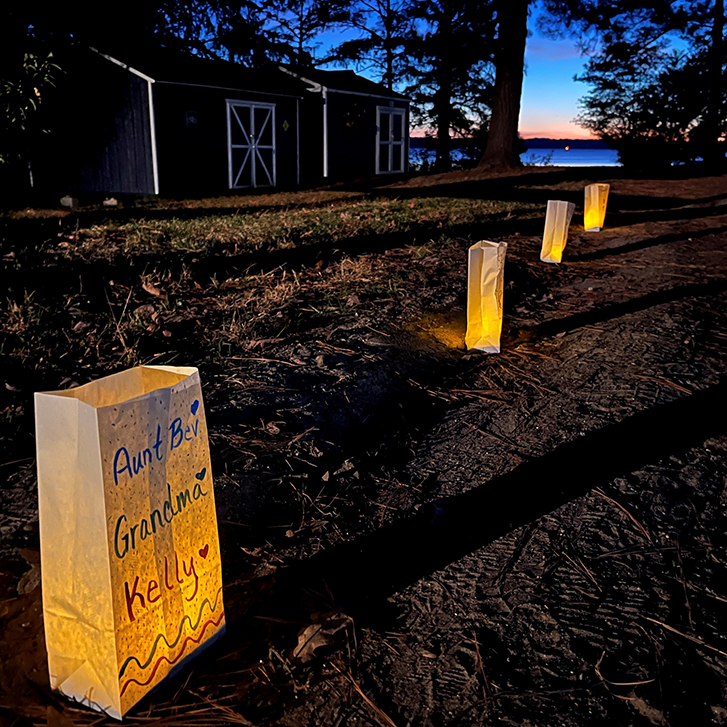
(534,538)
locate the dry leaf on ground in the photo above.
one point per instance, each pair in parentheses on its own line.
(319,634)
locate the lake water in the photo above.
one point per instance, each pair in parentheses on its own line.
(572,157)
(554,157)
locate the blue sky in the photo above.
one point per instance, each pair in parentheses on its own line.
(550,95)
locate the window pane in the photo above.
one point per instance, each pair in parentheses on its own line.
(396,157)
(384,164)
(397,123)
(384,126)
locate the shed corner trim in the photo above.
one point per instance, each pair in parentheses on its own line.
(148,79)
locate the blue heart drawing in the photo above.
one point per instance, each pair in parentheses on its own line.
(195,406)
(200,475)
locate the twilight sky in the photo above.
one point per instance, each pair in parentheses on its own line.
(550,95)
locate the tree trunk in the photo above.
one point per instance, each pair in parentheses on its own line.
(389,78)
(501,148)
(443,162)
(714,111)
(443,95)
(389,45)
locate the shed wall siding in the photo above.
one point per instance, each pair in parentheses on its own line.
(311,140)
(106,147)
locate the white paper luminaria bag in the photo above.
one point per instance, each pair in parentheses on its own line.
(485,283)
(130,557)
(555,236)
(594,212)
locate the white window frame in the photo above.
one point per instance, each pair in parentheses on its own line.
(391,110)
(252,147)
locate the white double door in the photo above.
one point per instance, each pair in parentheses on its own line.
(250,144)
(390,140)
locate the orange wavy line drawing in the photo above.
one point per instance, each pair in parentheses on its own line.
(177,658)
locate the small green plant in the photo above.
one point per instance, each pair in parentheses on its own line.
(540,160)
(22,90)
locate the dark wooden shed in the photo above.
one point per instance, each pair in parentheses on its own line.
(362,128)
(185,126)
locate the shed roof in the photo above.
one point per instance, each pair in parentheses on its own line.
(178,68)
(344,81)
(169,66)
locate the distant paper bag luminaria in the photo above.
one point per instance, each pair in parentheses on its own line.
(130,555)
(594,213)
(485,273)
(555,236)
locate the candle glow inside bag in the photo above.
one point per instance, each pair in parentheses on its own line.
(555,236)
(130,557)
(595,201)
(485,283)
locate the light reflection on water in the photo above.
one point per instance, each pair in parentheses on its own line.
(553,157)
(572,157)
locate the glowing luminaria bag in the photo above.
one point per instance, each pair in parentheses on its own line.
(555,236)
(485,283)
(130,557)
(595,201)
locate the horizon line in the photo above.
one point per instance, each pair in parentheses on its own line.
(524,136)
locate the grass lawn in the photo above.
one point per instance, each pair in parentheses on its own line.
(138,286)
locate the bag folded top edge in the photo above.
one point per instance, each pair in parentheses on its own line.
(126,385)
(484,244)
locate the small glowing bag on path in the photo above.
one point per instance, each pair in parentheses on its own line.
(594,212)
(130,557)
(485,283)
(555,235)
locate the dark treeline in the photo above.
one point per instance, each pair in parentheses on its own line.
(655,73)
(655,70)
